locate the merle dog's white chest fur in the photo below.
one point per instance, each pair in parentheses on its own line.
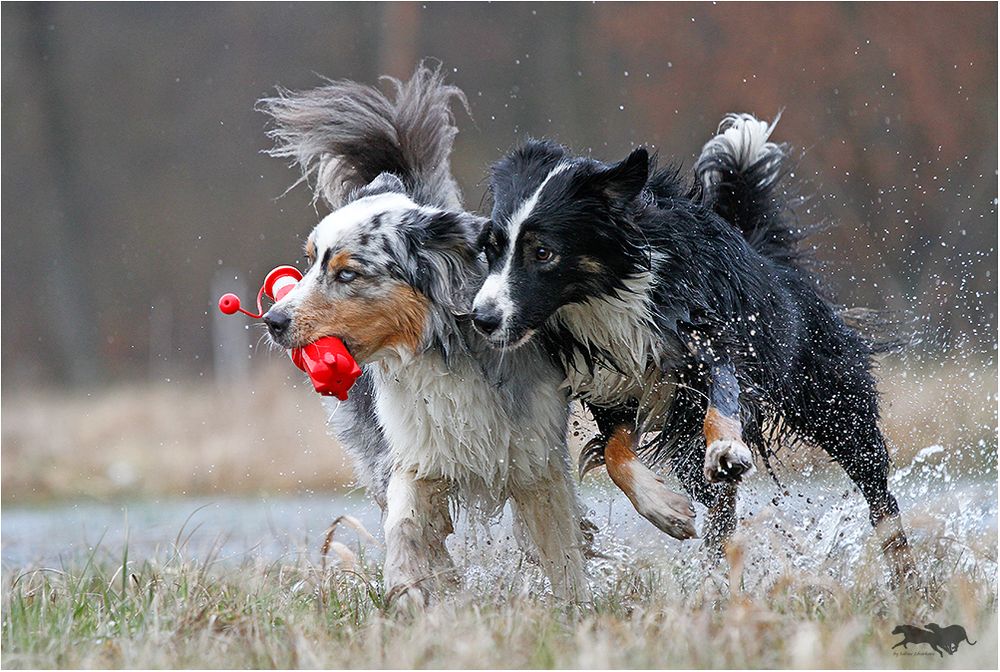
(452,422)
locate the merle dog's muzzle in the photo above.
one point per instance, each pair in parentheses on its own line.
(278,323)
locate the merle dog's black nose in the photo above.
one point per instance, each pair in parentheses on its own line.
(487,319)
(277,322)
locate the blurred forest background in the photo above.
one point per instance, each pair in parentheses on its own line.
(135,190)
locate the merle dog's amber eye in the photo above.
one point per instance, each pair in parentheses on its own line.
(543,253)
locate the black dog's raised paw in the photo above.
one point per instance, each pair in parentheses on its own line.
(728,461)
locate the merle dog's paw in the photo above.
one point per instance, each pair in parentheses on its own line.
(406,598)
(728,461)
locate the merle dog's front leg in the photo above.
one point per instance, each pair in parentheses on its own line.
(727,457)
(417,522)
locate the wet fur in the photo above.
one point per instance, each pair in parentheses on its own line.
(650,277)
(438,415)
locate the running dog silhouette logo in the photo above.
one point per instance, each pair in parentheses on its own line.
(940,639)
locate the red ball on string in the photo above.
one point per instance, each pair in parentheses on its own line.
(229,303)
(330,366)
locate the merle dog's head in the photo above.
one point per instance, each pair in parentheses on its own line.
(559,234)
(381,268)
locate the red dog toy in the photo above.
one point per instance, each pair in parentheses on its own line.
(330,366)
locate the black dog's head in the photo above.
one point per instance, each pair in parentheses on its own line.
(559,234)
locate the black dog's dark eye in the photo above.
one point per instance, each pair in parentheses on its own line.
(543,253)
(346,275)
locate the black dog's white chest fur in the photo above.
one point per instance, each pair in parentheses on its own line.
(624,326)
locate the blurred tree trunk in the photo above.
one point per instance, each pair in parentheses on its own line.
(66,298)
(558,99)
(400,41)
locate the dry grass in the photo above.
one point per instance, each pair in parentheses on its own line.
(171,610)
(268,435)
(114,611)
(182,438)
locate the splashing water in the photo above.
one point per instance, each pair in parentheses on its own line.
(811,524)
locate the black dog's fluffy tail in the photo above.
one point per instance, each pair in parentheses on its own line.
(744,178)
(741,173)
(344,134)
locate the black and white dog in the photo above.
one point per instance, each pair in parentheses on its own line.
(687,311)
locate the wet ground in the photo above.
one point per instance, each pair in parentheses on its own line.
(810,522)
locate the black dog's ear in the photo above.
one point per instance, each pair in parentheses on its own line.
(484,234)
(623,181)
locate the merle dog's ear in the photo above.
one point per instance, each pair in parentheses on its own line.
(623,181)
(385,183)
(450,232)
(446,245)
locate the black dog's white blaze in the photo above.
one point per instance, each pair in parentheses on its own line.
(498,300)
(547,246)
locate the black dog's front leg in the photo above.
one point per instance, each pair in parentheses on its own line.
(727,457)
(608,420)
(615,447)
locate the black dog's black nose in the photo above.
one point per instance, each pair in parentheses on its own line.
(487,319)
(277,322)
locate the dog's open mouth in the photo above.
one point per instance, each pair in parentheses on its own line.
(504,342)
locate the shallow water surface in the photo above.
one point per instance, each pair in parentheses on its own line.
(806,522)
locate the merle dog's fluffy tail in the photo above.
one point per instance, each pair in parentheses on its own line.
(343,135)
(742,173)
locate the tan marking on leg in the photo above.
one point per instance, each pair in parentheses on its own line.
(719,426)
(618,456)
(669,511)
(726,455)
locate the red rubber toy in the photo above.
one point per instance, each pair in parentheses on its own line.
(329,365)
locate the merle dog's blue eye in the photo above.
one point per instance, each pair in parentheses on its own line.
(346,275)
